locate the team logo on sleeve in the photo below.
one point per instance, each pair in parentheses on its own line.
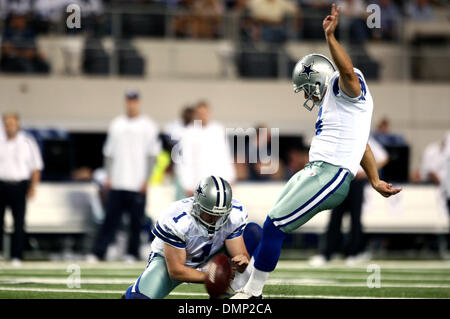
(308,70)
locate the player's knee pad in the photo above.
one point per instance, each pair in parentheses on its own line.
(252,236)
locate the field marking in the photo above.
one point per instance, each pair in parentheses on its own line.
(340,265)
(300,278)
(404,265)
(271,282)
(361,277)
(62,290)
(300,282)
(204,294)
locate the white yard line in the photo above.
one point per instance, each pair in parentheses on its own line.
(272,282)
(405,265)
(40,280)
(62,290)
(202,294)
(300,282)
(363,276)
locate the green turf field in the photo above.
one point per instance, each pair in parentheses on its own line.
(291,279)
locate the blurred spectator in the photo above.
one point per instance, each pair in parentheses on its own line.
(316,4)
(91,15)
(353,21)
(19,49)
(445,184)
(175,129)
(296,161)
(17,7)
(419,11)
(100,178)
(245,29)
(447,172)
(89,7)
(130,151)
(262,146)
(182,22)
(204,151)
(355,244)
(2,132)
(48,13)
(385,137)
(83,173)
(20,170)
(206,18)
(432,168)
(198,19)
(241,168)
(173,133)
(313,12)
(390,17)
(270,17)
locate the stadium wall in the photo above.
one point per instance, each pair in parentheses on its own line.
(418,111)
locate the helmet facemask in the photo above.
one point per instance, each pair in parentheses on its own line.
(223,213)
(312,91)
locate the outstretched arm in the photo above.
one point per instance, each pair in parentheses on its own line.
(175,259)
(369,165)
(348,80)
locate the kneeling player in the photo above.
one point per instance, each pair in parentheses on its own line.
(189,233)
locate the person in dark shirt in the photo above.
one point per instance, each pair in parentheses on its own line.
(19,52)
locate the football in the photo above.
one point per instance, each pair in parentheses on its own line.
(218,275)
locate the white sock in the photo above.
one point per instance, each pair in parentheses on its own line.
(256,282)
(240,279)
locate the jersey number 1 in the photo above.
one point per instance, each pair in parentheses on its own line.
(205,253)
(175,219)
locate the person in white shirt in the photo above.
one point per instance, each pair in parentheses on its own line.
(204,151)
(20,170)
(446,179)
(447,169)
(130,151)
(433,162)
(433,168)
(2,132)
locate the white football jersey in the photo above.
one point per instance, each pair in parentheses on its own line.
(342,126)
(177,227)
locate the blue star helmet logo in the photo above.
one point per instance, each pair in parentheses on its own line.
(199,190)
(308,70)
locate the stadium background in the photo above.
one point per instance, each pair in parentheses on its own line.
(175,56)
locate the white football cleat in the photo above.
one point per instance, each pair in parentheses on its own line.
(317,261)
(15,262)
(92,259)
(245,295)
